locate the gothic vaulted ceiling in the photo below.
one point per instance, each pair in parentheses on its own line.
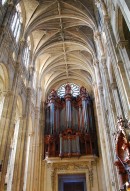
(63,46)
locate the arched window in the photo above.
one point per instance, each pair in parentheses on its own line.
(3,86)
(2,98)
(75,89)
(13,146)
(3,2)
(34,80)
(16,23)
(26,53)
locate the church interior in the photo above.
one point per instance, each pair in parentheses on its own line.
(64,95)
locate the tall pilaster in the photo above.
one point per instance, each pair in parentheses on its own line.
(104,131)
(122,83)
(26,133)
(8,124)
(6,18)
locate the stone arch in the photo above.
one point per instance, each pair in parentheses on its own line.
(4,78)
(14,143)
(4,84)
(28,155)
(122,32)
(19,105)
(30,128)
(111,72)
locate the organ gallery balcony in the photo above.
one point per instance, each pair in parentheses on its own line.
(70,127)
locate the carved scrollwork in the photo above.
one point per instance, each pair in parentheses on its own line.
(122,149)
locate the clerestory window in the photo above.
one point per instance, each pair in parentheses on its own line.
(3,2)
(75,90)
(16,23)
(26,53)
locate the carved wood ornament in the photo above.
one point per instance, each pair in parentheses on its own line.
(122,149)
(70,127)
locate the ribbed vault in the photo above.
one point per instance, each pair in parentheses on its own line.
(63,44)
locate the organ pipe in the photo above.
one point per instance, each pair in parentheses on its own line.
(70,127)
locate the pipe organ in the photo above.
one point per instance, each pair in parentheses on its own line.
(69,125)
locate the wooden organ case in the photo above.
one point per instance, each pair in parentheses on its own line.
(69,125)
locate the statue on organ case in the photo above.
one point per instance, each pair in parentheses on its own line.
(67,89)
(122,149)
(70,127)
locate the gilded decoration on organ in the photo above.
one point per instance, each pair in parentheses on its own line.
(70,127)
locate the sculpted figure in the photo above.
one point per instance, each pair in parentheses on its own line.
(82,90)
(52,95)
(67,89)
(122,151)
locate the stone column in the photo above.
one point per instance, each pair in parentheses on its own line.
(30,169)
(103,125)
(80,117)
(110,119)
(19,155)
(97,37)
(119,111)
(122,47)
(77,144)
(8,124)
(61,146)
(28,117)
(6,19)
(37,155)
(122,83)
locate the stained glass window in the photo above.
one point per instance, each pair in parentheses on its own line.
(75,89)
(26,53)
(16,23)
(3,2)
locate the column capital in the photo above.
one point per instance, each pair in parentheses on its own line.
(97,3)
(97,36)
(122,43)
(103,62)
(6,93)
(22,41)
(18,68)
(106,18)
(2,29)
(100,87)
(94,84)
(29,94)
(11,3)
(31,68)
(96,62)
(113,85)
(104,9)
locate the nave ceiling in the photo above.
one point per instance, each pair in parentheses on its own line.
(62,32)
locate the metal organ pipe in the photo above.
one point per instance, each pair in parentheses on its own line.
(47,121)
(77,144)
(84,114)
(80,117)
(52,116)
(87,115)
(57,120)
(63,116)
(52,98)
(68,105)
(90,115)
(60,145)
(68,113)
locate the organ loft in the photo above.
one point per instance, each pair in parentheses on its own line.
(64,95)
(70,126)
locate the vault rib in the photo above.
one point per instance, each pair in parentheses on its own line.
(63,38)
